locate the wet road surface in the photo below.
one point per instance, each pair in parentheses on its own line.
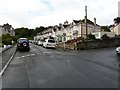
(52,68)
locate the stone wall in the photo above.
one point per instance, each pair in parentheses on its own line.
(85,45)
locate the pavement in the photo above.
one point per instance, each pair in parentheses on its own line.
(6,54)
(2,49)
(51,68)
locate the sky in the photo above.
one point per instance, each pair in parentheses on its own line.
(36,13)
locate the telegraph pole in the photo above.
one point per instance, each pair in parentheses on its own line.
(119,14)
(86,20)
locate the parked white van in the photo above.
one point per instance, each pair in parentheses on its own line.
(49,43)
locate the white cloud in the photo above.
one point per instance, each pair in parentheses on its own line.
(35,13)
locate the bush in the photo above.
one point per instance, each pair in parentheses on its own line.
(7,39)
(105,37)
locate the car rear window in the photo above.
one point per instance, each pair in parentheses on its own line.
(52,41)
(22,40)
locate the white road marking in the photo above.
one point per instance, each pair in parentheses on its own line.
(17,57)
(82,75)
(38,53)
(32,54)
(58,52)
(23,56)
(68,61)
(46,52)
(28,55)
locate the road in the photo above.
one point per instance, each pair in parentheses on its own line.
(52,68)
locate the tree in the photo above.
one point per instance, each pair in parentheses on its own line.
(15,38)
(105,28)
(28,33)
(38,30)
(7,39)
(117,20)
(23,32)
(90,37)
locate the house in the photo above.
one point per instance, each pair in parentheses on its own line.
(116,26)
(79,27)
(1,30)
(7,29)
(116,29)
(58,30)
(68,31)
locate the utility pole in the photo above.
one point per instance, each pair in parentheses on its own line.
(119,9)
(86,20)
(119,14)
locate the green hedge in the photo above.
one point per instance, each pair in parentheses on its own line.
(1,45)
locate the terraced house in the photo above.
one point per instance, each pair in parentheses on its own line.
(7,29)
(68,31)
(116,26)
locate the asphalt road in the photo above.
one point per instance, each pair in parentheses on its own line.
(52,68)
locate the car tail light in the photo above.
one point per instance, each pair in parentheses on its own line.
(18,44)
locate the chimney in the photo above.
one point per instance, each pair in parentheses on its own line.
(94,24)
(94,21)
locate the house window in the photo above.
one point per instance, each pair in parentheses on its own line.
(75,34)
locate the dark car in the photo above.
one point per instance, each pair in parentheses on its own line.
(23,44)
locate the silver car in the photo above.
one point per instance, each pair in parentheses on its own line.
(49,43)
(118,50)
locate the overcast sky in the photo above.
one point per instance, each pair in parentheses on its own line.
(35,13)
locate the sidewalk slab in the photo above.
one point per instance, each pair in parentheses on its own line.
(6,55)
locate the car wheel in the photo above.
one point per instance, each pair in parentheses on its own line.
(25,44)
(118,54)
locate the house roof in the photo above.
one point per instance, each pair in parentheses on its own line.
(88,21)
(76,21)
(66,25)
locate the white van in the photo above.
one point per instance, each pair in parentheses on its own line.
(49,43)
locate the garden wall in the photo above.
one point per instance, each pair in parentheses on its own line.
(94,44)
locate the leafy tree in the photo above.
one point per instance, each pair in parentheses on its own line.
(28,33)
(90,37)
(15,38)
(38,30)
(117,20)
(7,39)
(5,36)
(105,28)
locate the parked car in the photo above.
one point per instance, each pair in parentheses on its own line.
(35,42)
(49,43)
(118,50)
(23,44)
(40,43)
